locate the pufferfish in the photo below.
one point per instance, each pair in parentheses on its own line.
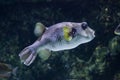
(60,36)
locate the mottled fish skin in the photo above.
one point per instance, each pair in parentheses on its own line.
(53,40)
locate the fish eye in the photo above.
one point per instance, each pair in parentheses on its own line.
(84,25)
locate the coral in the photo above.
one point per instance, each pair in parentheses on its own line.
(114,45)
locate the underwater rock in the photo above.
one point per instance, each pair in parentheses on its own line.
(97,62)
(114,46)
(80,70)
(95,65)
(7,70)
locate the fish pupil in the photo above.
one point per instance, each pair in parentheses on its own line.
(84,25)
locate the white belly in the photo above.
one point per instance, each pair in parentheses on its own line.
(63,45)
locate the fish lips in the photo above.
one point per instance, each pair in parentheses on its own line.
(90,33)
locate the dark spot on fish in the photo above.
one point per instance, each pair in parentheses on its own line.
(84,25)
(73,32)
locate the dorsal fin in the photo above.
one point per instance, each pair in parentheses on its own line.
(39,29)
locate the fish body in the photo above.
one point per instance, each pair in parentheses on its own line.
(61,36)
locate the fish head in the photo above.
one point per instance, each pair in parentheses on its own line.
(81,31)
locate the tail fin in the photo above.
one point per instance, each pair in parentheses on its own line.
(27,55)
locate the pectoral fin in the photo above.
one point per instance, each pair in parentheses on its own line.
(44,54)
(66,31)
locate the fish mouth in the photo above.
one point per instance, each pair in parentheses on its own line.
(91,33)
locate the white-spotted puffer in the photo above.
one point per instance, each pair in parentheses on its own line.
(61,36)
